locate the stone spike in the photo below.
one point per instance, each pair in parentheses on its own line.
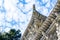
(33,7)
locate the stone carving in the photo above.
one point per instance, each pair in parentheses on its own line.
(44,28)
(36,22)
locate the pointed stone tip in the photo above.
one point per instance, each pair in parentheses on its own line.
(33,6)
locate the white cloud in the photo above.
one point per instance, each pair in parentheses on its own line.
(1,29)
(1,16)
(30,1)
(28,7)
(1,23)
(22,17)
(20,5)
(8,16)
(48,4)
(13,2)
(9,6)
(15,27)
(1,2)
(8,24)
(12,10)
(44,1)
(15,16)
(7,29)
(43,10)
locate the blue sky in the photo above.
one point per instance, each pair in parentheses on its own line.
(17,13)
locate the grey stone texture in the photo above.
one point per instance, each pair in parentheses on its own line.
(42,27)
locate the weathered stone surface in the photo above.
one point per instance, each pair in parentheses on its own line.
(36,22)
(44,28)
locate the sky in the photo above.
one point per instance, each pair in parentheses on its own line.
(16,14)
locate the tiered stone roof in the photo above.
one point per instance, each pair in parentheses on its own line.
(35,22)
(41,29)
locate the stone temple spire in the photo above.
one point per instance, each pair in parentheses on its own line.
(34,7)
(32,29)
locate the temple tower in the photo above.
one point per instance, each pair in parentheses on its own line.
(41,29)
(35,22)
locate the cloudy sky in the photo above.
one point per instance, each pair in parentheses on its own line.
(16,14)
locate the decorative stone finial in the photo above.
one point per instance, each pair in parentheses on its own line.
(33,6)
